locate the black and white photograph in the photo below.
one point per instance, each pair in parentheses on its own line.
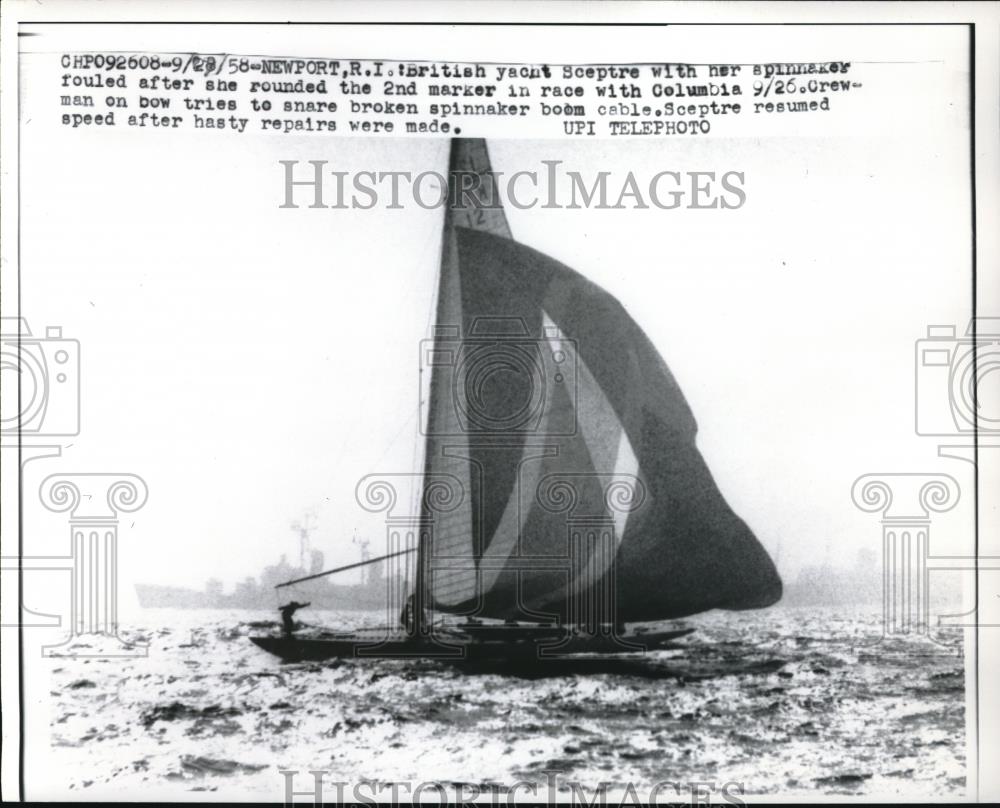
(581,403)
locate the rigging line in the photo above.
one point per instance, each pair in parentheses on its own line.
(440,154)
(341,569)
(410,290)
(395,438)
(424,250)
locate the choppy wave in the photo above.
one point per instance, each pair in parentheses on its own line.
(783,701)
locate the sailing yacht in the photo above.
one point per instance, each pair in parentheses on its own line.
(563,494)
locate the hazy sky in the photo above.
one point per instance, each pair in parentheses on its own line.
(252,363)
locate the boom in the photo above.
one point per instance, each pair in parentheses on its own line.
(348,567)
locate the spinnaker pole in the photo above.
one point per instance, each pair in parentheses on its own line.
(345,568)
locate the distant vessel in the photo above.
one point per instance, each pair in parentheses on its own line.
(254,593)
(251,593)
(563,493)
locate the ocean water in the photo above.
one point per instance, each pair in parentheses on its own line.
(781,702)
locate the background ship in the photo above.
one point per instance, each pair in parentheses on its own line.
(371,592)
